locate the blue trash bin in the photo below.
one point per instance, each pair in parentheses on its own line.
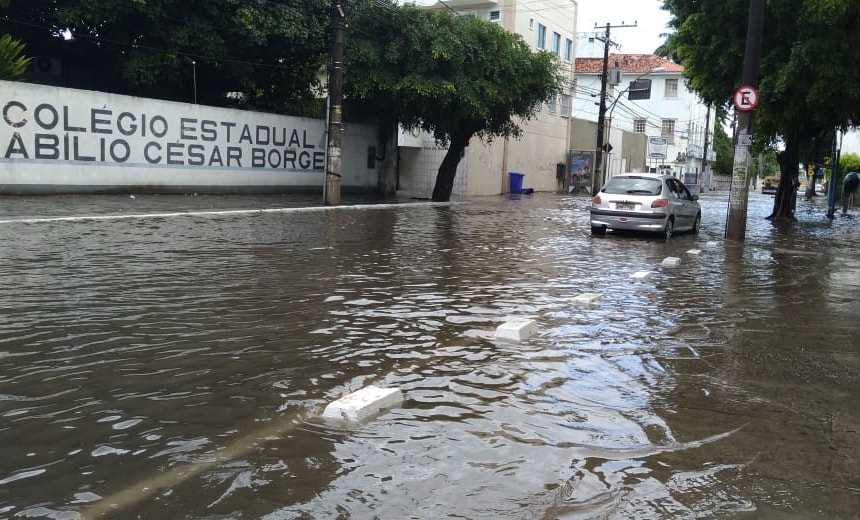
(516,182)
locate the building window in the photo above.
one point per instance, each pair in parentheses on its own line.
(639,126)
(556,44)
(671,88)
(565,105)
(568,49)
(667,130)
(495,16)
(552,105)
(541,36)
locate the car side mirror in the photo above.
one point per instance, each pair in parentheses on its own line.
(694,197)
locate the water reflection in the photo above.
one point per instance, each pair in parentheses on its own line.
(174,366)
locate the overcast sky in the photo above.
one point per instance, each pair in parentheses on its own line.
(649,18)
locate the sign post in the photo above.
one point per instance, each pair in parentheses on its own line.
(745,99)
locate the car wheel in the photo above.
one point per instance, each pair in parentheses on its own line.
(598,231)
(697,224)
(670,226)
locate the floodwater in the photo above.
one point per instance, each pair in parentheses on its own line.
(170,357)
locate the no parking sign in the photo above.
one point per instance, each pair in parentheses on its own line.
(746,98)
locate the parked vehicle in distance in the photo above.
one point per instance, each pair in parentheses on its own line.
(769,184)
(645,202)
(820,189)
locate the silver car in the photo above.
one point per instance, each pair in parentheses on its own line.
(645,202)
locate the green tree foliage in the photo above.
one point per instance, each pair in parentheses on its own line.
(456,77)
(725,152)
(769,163)
(807,85)
(269,51)
(13,64)
(849,162)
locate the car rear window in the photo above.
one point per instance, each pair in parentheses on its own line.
(633,186)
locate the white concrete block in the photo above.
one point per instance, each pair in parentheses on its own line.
(640,275)
(587,297)
(516,330)
(671,261)
(694,252)
(362,404)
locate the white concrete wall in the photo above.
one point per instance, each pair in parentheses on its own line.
(59,140)
(543,145)
(418,165)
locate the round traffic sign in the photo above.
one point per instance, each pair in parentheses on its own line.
(746,98)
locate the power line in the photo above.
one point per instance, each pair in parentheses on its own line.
(599,170)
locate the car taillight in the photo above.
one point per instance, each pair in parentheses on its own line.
(660,203)
(596,199)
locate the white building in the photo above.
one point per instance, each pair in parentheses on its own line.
(543,24)
(651,98)
(591,44)
(851,142)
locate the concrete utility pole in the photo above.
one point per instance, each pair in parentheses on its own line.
(834,175)
(335,115)
(705,149)
(597,177)
(746,98)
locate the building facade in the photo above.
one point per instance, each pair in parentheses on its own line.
(484,170)
(648,95)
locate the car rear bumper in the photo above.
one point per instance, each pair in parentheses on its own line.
(628,220)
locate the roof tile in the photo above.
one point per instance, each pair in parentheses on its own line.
(629,63)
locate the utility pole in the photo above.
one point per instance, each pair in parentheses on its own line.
(705,148)
(335,111)
(597,177)
(834,175)
(739,194)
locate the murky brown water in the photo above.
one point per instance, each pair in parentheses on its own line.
(174,366)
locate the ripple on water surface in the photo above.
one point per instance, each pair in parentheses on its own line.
(190,355)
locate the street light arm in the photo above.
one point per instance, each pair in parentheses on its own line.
(629,85)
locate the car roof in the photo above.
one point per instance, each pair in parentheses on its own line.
(644,174)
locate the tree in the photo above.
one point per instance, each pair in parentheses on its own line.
(849,162)
(806,91)
(13,64)
(724,150)
(456,77)
(268,51)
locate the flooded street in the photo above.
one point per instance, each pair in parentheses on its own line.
(169,357)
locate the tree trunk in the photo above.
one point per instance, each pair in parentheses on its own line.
(810,187)
(785,199)
(448,168)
